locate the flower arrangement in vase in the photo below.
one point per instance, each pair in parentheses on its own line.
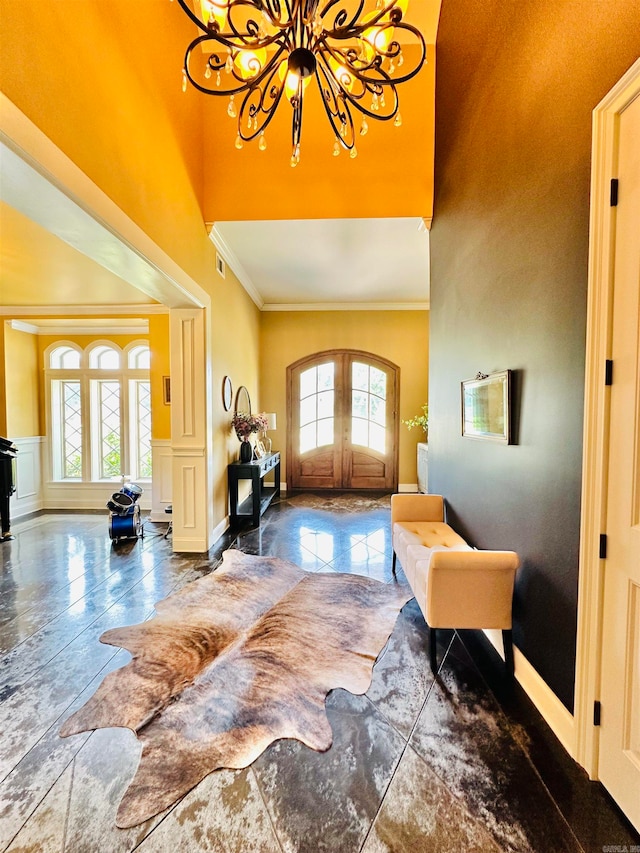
(244,424)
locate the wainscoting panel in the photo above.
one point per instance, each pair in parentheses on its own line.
(162,494)
(190,392)
(28,497)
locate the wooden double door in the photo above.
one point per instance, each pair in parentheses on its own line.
(342,422)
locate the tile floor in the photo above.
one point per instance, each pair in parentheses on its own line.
(458,763)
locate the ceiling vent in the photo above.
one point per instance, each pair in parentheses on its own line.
(220,265)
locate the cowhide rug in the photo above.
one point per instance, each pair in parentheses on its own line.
(232,662)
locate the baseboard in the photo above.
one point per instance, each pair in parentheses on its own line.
(558,718)
(412,488)
(220,529)
(159,516)
(185,545)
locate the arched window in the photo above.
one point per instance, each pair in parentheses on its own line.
(104,358)
(138,357)
(64,358)
(100,415)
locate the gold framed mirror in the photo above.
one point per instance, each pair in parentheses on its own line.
(243,400)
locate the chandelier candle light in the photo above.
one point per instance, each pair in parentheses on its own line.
(260,49)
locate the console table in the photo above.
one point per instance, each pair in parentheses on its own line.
(261,495)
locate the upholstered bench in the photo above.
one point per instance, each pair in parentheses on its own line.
(455,585)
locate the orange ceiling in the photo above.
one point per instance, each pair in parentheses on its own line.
(172,158)
(391,176)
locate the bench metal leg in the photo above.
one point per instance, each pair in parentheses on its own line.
(432,651)
(507,640)
(393,564)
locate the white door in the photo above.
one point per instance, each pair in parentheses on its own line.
(619,762)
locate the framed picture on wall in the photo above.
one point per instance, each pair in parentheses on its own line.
(486,407)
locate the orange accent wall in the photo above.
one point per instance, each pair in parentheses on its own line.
(159,346)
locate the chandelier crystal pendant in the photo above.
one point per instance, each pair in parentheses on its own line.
(357,50)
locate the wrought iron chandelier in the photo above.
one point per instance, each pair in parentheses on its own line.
(262,49)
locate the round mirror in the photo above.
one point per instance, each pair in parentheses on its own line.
(243,400)
(227,393)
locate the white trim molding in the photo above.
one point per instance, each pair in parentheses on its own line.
(73,311)
(411,488)
(191,396)
(88,496)
(78,327)
(345,306)
(596,415)
(558,718)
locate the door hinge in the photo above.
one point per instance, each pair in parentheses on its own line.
(603,546)
(614,192)
(597,709)
(608,372)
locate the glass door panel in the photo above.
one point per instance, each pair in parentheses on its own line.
(368,406)
(316,407)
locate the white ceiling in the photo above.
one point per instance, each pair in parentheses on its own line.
(313,263)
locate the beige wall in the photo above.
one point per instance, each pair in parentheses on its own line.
(235,332)
(400,336)
(22,387)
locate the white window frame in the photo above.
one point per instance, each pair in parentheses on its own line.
(87,377)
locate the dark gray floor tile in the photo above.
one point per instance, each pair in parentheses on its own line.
(225,813)
(44,833)
(327,801)
(101,772)
(465,739)
(420,814)
(402,676)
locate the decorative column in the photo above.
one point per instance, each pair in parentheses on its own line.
(192,513)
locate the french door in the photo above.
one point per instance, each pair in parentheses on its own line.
(342,422)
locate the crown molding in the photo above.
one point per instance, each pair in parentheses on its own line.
(75,327)
(346,306)
(231,260)
(21,326)
(71,311)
